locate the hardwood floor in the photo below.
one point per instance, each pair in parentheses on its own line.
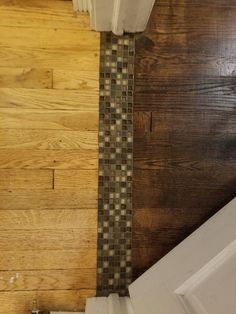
(49,69)
(184,123)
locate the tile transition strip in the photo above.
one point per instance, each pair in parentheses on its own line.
(114,270)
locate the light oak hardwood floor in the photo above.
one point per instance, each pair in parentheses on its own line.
(49,69)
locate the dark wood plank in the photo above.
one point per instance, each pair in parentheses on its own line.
(184,123)
(173,93)
(211,144)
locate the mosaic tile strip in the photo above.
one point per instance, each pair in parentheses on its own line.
(114,272)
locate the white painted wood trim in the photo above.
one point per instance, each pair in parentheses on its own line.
(113,304)
(177,282)
(185,292)
(82,5)
(118,16)
(97,305)
(228,252)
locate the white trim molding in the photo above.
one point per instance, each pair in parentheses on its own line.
(118,16)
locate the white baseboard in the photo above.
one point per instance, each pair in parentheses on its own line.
(118,16)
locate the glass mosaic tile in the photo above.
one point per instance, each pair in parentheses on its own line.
(114,268)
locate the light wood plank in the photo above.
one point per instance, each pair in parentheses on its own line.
(37,13)
(23,179)
(64,179)
(25,77)
(21,302)
(47,139)
(61,58)
(48,159)
(56,39)
(49,67)
(77,80)
(47,219)
(49,199)
(47,280)
(48,259)
(48,119)
(47,239)
(48,99)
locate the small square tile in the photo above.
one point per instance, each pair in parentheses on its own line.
(114,272)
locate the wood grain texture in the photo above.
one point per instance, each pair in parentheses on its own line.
(48,159)
(48,39)
(47,139)
(35,14)
(47,219)
(47,280)
(36,259)
(49,199)
(23,98)
(74,178)
(184,123)
(47,119)
(51,58)
(75,80)
(209,91)
(52,46)
(48,239)
(21,301)
(49,93)
(23,179)
(26,78)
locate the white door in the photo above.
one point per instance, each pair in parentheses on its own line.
(197,277)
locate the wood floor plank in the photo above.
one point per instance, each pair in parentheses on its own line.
(146,257)
(166,226)
(47,219)
(184,160)
(197,122)
(177,23)
(47,280)
(155,198)
(79,258)
(35,13)
(75,80)
(212,188)
(172,91)
(25,78)
(47,239)
(147,161)
(174,103)
(207,147)
(51,58)
(185,52)
(32,199)
(47,139)
(23,179)
(48,159)
(48,39)
(48,99)
(196,179)
(199,142)
(21,302)
(64,179)
(48,119)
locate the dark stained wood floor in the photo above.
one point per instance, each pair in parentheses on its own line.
(184,123)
